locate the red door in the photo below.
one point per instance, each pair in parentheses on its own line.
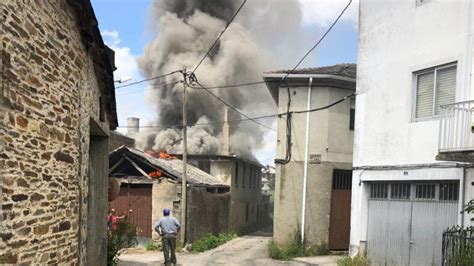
(134,201)
(340,216)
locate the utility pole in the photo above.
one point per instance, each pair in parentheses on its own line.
(185,157)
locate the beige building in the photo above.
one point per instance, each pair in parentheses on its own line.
(329,140)
(57,105)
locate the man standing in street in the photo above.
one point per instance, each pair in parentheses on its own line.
(168,228)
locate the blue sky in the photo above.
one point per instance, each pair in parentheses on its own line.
(124,26)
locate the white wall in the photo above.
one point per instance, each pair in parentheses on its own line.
(397,38)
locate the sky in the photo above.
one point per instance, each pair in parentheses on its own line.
(126,29)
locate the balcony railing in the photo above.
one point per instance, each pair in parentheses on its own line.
(455,131)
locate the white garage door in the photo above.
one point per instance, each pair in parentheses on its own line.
(406,221)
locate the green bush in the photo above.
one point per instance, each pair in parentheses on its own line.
(276,252)
(124,236)
(320,250)
(353,261)
(295,248)
(151,246)
(211,241)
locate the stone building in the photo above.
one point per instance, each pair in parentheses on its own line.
(316,147)
(150,184)
(57,105)
(249,208)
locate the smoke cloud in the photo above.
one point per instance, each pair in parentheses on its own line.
(184,30)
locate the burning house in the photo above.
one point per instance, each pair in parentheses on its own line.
(149,184)
(184,30)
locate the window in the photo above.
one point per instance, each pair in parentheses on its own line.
(236,174)
(352,115)
(400,191)
(244,174)
(379,191)
(425,191)
(341,179)
(434,87)
(449,191)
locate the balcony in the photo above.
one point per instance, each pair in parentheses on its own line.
(456,138)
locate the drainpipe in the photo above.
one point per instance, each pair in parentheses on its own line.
(306,151)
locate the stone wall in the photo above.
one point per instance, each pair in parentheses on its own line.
(207,212)
(49,97)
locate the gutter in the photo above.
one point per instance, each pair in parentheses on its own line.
(305,76)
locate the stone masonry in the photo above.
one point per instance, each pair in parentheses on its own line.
(50,92)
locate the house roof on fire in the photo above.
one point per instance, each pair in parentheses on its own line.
(341,76)
(126,161)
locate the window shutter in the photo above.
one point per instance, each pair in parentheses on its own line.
(445,87)
(424,94)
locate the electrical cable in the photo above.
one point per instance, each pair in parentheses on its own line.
(219,37)
(152,87)
(288,118)
(230,106)
(320,40)
(237,121)
(145,80)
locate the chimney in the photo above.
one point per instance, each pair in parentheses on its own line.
(133,125)
(225,133)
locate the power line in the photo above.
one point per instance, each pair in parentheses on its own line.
(145,80)
(231,86)
(249,119)
(152,87)
(319,41)
(232,107)
(220,35)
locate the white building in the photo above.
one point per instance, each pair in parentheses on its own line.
(414,56)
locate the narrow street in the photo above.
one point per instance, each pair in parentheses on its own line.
(246,250)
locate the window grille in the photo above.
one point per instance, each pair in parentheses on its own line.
(379,191)
(400,191)
(434,87)
(449,191)
(244,175)
(342,180)
(352,115)
(425,191)
(236,174)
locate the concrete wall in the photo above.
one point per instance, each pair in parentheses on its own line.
(397,38)
(49,95)
(207,213)
(330,138)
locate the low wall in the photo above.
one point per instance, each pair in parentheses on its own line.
(207,212)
